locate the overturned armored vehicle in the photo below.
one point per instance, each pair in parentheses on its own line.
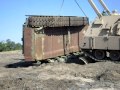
(52,37)
(102,38)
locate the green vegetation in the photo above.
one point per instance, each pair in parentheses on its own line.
(9,45)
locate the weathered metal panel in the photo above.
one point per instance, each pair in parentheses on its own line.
(48,42)
(114,43)
(76,35)
(28,33)
(38,40)
(53,43)
(86,43)
(57,41)
(100,42)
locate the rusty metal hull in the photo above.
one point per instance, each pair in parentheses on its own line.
(51,42)
(28,44)
(44,39)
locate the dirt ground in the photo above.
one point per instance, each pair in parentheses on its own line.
(17,75)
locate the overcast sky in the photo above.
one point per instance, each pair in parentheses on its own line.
(12,13)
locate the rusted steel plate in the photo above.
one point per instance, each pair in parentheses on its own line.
(52,43)
(28,44)
(49,42)
(38,53)
(57,41)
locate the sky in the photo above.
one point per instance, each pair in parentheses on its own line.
(12,13)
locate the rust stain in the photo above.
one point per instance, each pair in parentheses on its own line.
(27,44)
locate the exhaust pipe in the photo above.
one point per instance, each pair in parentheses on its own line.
(105,7)
(95,8)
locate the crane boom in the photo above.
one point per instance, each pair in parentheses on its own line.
(105,7)
(95,8)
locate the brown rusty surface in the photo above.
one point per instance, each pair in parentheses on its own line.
(57,41)
(38,47)
(76,35)
(49,42)
(53,42)
(27,44)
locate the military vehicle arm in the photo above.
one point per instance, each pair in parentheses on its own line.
(95,8)
(105,7)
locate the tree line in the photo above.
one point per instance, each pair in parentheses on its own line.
(9,45)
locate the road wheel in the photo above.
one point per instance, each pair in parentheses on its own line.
(115,55)
(99,54)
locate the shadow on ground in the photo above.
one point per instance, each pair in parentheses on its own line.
(23,63)
(19,64)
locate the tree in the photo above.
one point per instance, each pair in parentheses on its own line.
(18,46)
(9,45)
(2,46)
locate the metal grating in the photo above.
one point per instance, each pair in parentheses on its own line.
(56,21)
